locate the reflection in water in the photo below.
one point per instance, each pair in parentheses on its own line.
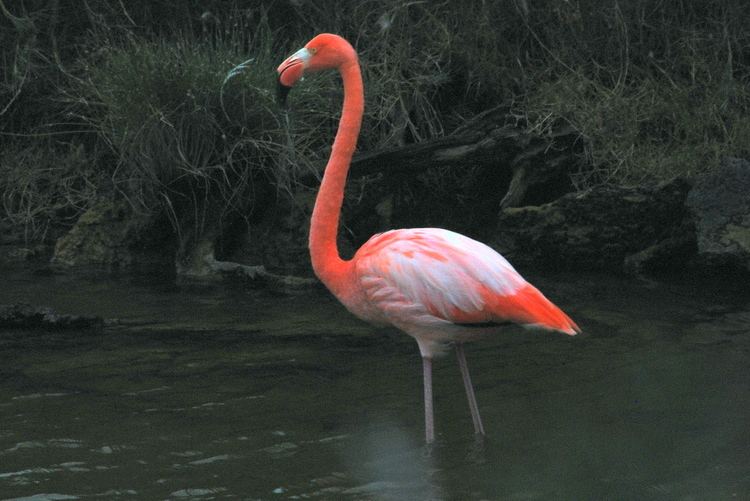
(202,393)
(393,464)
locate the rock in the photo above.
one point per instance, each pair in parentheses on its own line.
(603,228)
(719,204)
(197,261)
(278,240)
(111,235)
(672,253)
(257,275)
(25,316)
(511,164)
(17,248)
(19,254)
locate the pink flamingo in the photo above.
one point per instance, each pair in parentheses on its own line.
(438,286)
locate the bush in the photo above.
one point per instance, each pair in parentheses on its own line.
(656,89)
(158,105)
(43,186)
(660,95)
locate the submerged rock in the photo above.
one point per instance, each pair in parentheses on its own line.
(719,204)
(25,316)
(602,228)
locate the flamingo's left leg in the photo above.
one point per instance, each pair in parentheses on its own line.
(478,428)
(429,420)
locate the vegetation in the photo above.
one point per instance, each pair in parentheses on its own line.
(131,99)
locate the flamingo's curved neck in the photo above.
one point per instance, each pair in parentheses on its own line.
(326,261)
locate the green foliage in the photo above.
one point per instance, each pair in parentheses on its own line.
(649,129)
(158,104)
(186,138)
(43,186)
(137,89)
(656,91)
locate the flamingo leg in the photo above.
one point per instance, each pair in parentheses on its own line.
(429,422)
(478,428)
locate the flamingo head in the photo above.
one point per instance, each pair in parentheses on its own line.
(325,51)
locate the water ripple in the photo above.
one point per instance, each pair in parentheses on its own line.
(44,497)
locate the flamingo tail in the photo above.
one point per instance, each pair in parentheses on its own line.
(530,308)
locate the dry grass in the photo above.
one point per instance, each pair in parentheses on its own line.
(655,89)
(45,186)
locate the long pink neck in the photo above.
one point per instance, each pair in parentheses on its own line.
(324,252)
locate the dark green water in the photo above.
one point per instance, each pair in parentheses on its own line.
(209,393)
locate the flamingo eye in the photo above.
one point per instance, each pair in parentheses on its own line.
(312,50)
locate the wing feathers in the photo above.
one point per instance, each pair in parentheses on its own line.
(445,275)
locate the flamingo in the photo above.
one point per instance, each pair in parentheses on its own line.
(440,287)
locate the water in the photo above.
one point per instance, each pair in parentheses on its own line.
(215,393)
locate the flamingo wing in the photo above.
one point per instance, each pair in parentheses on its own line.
(427,274)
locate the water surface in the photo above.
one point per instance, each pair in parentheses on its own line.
(198,392)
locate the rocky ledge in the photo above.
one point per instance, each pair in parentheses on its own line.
(719,206)
(702,223)
(673,226)
(25,316)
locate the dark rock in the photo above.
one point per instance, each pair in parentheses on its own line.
(17,248)
(278,241)
(673,253)
(602,228)
(719,204)
(460,181)
(25,316)
(207,267)
(111,235)
(19,254)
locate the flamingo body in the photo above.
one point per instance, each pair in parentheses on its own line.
(436,285)
(440,286)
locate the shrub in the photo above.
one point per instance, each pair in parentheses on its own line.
(44,185)
(656,89)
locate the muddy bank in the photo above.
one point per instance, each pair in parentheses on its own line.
(530,214)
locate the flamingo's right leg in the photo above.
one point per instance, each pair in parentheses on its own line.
(478,428)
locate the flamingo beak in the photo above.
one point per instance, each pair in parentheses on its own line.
(291,71)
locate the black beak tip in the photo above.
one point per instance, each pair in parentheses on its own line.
(282,91)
